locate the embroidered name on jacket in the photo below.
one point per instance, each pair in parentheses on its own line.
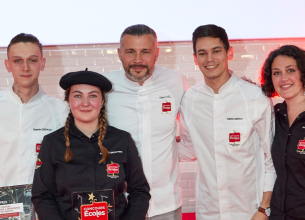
(42,129)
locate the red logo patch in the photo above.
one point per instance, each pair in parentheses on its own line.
(37,148)
(234,137)
(112,169)
(94,211)
(301,147)
(166,107)
(38,163)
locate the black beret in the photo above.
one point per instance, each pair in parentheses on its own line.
(85,77)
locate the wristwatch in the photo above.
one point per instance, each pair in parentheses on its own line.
(265,211)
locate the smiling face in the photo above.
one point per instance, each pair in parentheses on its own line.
(25,63)
(286,77)
(212,58)
(85,102)
(138,55)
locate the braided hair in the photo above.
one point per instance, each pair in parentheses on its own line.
(102,126)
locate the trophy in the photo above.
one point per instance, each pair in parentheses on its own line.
(93,205)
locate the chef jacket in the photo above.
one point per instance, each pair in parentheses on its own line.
(148,113)
(22,128)
(288,154)
(55,180)
(231,134)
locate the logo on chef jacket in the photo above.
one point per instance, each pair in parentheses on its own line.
(112,170)
(95,210)
(166,107)
(234,138)
(301,146)
(38,163)
(37,148)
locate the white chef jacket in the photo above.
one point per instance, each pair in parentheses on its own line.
(232,175)
(22,126)
(148,113)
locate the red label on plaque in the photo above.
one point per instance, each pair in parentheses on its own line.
(301,145)
(113,168)
(166,107)
(38,148)
(234,137)
(94,211)
(8,215)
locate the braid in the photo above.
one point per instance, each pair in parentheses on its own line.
(68,154)
(103,126)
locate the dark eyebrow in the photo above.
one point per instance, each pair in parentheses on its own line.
(89,92)
(289,66)
(285,67)
(21,57)
(203,50)
(76,91)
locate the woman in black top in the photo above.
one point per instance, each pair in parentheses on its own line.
(88,155)
(283,74)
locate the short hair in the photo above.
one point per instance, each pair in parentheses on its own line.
(211,30)
(25,38)
(139,30)
(266,72)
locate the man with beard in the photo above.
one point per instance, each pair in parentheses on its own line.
(145,102)
(26,112)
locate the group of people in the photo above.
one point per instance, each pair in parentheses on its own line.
(118,131)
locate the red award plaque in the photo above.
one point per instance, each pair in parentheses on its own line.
(95,211)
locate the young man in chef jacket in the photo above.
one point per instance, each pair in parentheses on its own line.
(26,112)
(227,124)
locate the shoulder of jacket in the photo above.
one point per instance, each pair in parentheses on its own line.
(3,93)
(165,70)
(118,132)
(55,134)
(113,74)
(54,102)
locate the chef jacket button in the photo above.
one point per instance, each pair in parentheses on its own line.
(278,110)
(285,115)
(288,134)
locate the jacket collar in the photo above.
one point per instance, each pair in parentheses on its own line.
(229,85)
(36,98)
(76,132)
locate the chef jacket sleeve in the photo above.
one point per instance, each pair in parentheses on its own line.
(137,185)
(185,146)
(43,189)
(265,129)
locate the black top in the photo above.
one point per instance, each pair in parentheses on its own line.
(288,198)
(55,180)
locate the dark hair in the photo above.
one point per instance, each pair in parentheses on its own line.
(266,72)
(211,30)
(25,38)
(102,126)
(139,30)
